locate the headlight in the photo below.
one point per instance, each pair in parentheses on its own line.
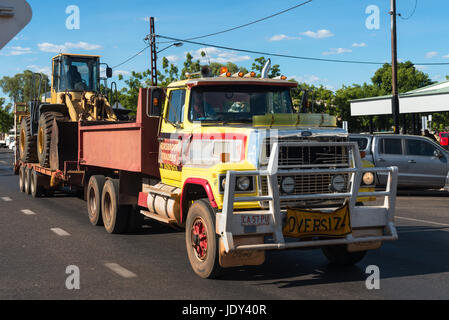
(288,185)
(338,183)
(368,178)
(243,183)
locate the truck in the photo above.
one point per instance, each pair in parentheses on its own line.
(230,161)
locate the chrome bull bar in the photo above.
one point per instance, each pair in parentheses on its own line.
(228,223)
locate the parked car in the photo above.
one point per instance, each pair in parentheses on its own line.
(422,162)
(12,145)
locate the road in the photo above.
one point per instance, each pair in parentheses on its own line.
(41,237)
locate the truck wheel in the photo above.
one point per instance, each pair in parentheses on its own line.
(339,255)
(94,192)
(135,219)
(36,190)
(27,181)
(202,242)
(115,217)
(44,130)
(22,178)
(27,143)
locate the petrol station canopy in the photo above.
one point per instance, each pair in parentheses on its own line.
(432,98)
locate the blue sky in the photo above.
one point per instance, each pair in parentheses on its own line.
(332,29)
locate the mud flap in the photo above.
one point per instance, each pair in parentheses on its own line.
(244,257)
(64,144)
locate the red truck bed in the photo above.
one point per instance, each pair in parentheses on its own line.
(129,146)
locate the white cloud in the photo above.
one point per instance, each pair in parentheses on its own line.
(320,34)
(280,37)
(17,51)
(121,72)
(359,45)
(172,58)
(66,47)
(431,54)
(307,78)
(336,51)
(446,56)
(218,55)
(44,70)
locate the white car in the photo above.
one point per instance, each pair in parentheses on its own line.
(12,145)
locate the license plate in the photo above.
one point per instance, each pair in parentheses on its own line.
(303,223)
(255,219)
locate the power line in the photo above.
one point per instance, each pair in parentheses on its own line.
(250,23)
(291,56)
(411,15)
(129,59)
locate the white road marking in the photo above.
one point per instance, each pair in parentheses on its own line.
(60,232)
(3,162)
(424,221)
(125,273)
(7,199)
(28,212)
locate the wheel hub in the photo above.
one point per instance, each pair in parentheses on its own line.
(199,238)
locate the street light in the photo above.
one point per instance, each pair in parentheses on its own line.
(176,44)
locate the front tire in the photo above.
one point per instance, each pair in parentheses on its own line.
(202,242)
(27,142)
(339,255)
(46,126)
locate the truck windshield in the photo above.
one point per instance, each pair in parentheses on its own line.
(79,74)
(237,103)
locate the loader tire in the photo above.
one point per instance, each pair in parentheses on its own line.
(27,142)
(44,131)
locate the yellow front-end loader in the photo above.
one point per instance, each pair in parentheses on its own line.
(74,96)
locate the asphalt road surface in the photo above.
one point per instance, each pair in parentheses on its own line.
(40,238)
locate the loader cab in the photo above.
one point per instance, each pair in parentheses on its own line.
(75,73)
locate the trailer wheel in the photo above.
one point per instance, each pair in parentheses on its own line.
(339,255)
(115,216)
(22,179)
(94,192)
(36,189)
(135,219)
(27,142)
(202,243)
(44,130)
(27,180)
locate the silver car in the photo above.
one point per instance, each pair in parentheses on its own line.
(422,162)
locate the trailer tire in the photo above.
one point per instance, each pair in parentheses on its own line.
(27,142)
(202,243)
(27,180)
(115,216)
(22,179)
(135,220)
(93,197)
(44,131)
(36,189)
(339,255)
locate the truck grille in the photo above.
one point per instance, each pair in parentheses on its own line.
(311,157)
(324,157)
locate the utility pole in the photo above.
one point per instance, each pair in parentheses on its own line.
(394,69)
(152,39)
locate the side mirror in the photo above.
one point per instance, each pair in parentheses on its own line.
(156,103)
(109,72)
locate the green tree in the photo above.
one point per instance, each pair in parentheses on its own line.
(6,117)
(19,87)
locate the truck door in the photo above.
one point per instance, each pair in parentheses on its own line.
(171,137)
(427,163)
(389,152)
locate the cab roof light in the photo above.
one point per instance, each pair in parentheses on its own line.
(238,74)
(223,71)
(251,74)
(280,78)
